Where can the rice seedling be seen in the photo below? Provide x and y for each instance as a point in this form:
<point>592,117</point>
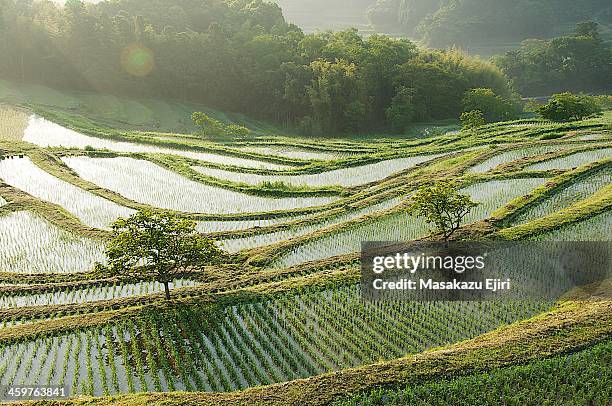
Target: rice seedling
<point>213,226</point>
<point>48,134</point>
<point>29,244</point>
<point>572,161</point>
<point>92,210</point>
<point>297,153</point>
<point>237,244</point>
<point>12,123</point>
<point>148,183</point>
<point>568,379</point>
<point>347,177</point>
<point>401,227</point>
<point>594,137</point>
<point>578,190</point>
<point>248,345</point>
<point>513,155</point>
<point>598,228</point>
<point>91,294</point>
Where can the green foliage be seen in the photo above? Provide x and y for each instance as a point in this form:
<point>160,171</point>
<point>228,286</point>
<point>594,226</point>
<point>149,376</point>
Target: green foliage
<point>158,243</point>
<point>581,62</point>
<point>472,119</point>
<point>443,206</point>
<point>493,107</point>
<point>567,106</point>
<point>211,127</point>
<point>238,56</point>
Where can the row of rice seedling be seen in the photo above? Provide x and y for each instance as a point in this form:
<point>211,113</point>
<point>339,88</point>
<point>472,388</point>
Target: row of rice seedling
<point>513,155</point>
<point>148,183</point>
<point>48,134</point>
<point>214,226</point>
<point>571,379</point>
<point>597,228</point>
<point>347,177</point>
<point>29,244</point>
<point>572,161</point>
<point>296,153</point>
<point>90,294</point>
<point>594,137</point>
<point>12,123</point>
<point>251,344</point>
<point>401,227</point>
<point>92,210</point>
<point>565,197</point>
<point>252,241</point>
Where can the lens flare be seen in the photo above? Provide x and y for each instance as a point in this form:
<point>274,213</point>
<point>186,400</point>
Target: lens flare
<point>137,60</point>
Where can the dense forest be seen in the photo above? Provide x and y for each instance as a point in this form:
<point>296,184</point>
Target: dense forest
<point>580,62</point>
<point>237,55</point>
<point>442,23</point>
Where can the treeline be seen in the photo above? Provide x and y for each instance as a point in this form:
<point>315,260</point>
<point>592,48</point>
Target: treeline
<point>444,23</point>
<point>581,63</point>
<point>238,55</point>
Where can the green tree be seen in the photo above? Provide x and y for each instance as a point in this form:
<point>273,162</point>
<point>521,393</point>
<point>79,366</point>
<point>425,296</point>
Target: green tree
<point>472,119</point>
<point>492,106</point>
<point>158,244</point>
<point>442,206</point>
<point>567,106</point>
<point>402,111</point>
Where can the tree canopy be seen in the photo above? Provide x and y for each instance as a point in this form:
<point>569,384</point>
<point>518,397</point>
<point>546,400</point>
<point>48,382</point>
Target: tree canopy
<point>240,56</point>
<point>443,23</point>
<point>159,244</point>
<point>566,107</point>
<point>579,62</point>
<point>441,205</point>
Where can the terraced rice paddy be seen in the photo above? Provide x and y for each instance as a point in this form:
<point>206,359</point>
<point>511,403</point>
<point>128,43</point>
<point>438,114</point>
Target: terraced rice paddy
<point>229,225</point>
<point>598,228</point>
<point>148,183</point>
<point>91,294</point>
<point>92,210</point>
<point>514,155</point>
<point>234,245</point>
<point>47,134</point>
<point>249,321</point>
<point>401,227</point>
<point>567,196</point>
<point>347,177</point>
<point>251,344</point>
<point>31,245</point>
<point>296,153</point>
<point>560,380</point>
<point>572,161</point>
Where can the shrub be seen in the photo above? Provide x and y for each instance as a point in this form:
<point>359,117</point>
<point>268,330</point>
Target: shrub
<point>472,119</point>
<point>567,106</point>
<point>209,126</point>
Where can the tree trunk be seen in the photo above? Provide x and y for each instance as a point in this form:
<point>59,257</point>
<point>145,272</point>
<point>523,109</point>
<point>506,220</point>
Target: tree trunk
<point>167,289</point>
